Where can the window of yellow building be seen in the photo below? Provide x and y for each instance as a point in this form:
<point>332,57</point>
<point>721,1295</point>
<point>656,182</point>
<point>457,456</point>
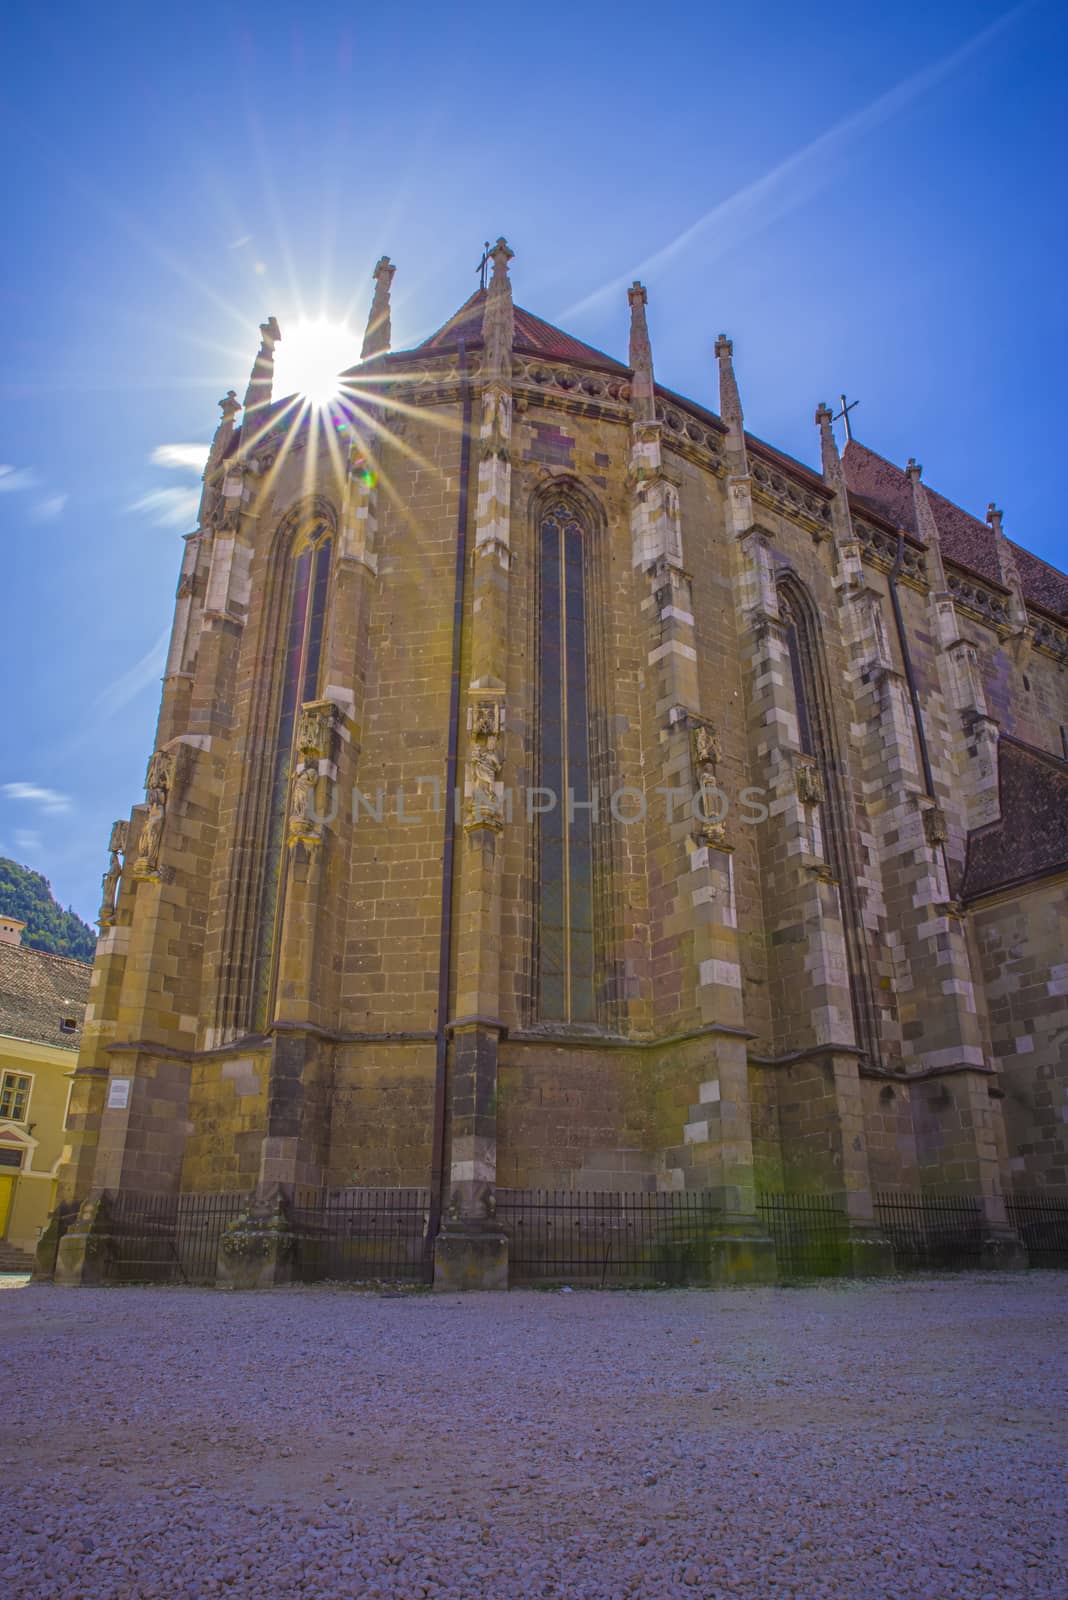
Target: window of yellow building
<point>14,1096</point>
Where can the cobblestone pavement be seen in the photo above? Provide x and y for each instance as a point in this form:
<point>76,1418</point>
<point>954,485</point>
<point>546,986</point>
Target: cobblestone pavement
<point>891,1440</point>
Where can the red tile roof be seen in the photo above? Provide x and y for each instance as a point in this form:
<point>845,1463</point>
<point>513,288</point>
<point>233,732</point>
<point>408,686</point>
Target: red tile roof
<point>1030,839</point>
<point>37,991</point>
<point>532,337</point>
<point>873,482</point>
<point>965,540</point>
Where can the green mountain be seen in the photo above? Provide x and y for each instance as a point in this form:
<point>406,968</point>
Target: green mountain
<point>28,896</point>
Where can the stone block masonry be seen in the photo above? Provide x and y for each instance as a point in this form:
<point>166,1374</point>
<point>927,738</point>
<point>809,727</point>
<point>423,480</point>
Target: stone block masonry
<point>558,787</point>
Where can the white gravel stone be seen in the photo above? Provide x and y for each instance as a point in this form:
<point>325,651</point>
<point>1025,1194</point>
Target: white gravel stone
<point>852,1442</point>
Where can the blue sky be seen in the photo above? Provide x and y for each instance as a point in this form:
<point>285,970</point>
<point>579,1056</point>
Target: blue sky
<point>866,198</point>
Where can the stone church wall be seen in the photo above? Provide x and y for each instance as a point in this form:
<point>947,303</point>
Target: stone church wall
<point>761,986</point>
<point>1021,941</point>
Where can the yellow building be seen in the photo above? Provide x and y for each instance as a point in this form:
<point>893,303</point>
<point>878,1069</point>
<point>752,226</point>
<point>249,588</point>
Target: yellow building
<point>42,1007</point>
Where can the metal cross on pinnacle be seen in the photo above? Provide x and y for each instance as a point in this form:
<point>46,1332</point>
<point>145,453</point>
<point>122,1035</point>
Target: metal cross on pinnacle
<point>843,415</point>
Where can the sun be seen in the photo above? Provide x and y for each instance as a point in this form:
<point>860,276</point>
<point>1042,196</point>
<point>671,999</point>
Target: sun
<point>309,358</point>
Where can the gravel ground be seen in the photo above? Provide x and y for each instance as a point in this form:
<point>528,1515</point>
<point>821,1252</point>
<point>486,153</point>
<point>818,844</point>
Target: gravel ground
<point>889,1440</point>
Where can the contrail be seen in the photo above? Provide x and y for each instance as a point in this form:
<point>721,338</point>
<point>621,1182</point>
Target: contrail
<point>129,685</point>
<point>769,197</point>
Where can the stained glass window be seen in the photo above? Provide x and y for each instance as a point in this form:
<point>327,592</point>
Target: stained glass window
<point>565,853</point>
<point>308,584</point>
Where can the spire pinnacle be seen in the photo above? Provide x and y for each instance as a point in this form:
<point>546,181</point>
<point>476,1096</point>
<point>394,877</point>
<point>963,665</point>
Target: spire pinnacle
<point>730,404</point>
<point>1010,572</point>
<point>832,461</point>
<point>261,379</point>
<point>498,318</point>
<point>641,355</point>
<point>833,476</point>
<point>926,526</point>
<point>379,328</point>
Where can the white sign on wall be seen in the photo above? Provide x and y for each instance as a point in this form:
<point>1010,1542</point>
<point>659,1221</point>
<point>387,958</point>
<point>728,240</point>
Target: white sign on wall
<point>119,1094</point>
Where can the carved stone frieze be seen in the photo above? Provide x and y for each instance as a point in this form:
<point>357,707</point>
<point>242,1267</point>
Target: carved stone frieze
<point>975,596</point>
<point>880,548</point>
<point>1049,637</point>
<point>776,486</point>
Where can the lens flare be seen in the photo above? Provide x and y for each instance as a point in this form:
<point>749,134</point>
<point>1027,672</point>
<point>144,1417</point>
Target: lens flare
<point>310,357</point>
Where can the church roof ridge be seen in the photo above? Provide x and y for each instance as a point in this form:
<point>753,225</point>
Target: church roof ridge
<point>533,336</point>
<point>965,541</point>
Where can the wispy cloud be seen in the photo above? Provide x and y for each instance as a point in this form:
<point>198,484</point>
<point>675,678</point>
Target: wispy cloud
<point>793,181</point>
<point>26,839</point>
<point>19,480</point>
<point>49,800</point>
<point>124,688</point>
<point>191,456</point>
<point>246,238</point>
<point>48,509</point>
<point>13,480</point>
<point>168,508</point>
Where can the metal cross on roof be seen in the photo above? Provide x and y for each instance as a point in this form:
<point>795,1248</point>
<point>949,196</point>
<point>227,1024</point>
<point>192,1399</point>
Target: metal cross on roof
<point>481,268</point>
<point>843,415</point>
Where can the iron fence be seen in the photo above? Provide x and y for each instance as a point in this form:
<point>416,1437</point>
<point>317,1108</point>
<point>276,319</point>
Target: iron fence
<point>567,1236</point>
<point>1042,1223</point>
<point>809,1231</point>
<point>172,1238</point>
<point>931,1232</point>
<point>600,1240</point>
<point>361,1235</point>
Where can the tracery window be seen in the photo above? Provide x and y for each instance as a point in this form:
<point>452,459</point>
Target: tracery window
<point>565,903</point>
<point>307,586</point>
<point>817,740</point>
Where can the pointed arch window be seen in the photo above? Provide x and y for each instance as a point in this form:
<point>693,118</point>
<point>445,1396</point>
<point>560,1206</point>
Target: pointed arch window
<point>817,739</point>
<point>307,584</point>
<point>565,892</point>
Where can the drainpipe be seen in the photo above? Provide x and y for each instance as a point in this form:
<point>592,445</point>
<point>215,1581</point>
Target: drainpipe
<point>910,676</point>
<point>437,1170</point>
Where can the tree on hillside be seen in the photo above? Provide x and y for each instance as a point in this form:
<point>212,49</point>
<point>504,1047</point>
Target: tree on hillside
<point>27,895</point>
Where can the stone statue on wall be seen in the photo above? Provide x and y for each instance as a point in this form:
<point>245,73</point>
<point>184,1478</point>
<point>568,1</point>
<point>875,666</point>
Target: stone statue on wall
<point>158,782</point>
<point>110,881</point>
<point>706,746</point>
<point>315,728</point>
<point>808,781</point>
<point>302,825</point>
<point>708,803</point>
<point>485,803</point>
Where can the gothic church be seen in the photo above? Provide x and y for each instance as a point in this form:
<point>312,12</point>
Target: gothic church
<point>558,787</point>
